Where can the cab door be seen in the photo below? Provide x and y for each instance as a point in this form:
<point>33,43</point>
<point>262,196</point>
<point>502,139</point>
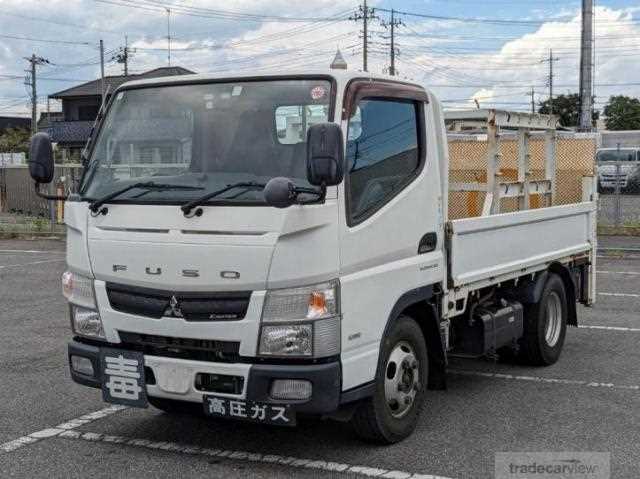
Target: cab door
<point>391,225</point>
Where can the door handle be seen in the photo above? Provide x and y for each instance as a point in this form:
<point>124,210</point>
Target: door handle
<point>428,243</point>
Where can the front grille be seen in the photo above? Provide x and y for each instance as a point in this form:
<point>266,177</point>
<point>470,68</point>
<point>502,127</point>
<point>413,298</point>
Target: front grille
<point>196,306</point>
<point>182,348</point>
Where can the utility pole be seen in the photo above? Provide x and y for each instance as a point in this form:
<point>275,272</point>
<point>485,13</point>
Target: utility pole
<point>586,66</point>
<point>533,100</point>
<point>393,23</point>
<point>123,56</point>
<point>550,81</point>
<point>34,61</point>
<point>169,36</point>
<point>365,14</point>
<point>551,59</point>
<point>102,72</point>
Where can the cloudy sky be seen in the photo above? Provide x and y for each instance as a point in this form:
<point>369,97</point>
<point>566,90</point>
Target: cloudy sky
<point>490,50</point>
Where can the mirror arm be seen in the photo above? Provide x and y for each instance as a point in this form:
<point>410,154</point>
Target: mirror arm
<point>49,197</point>
<point>322,194</point>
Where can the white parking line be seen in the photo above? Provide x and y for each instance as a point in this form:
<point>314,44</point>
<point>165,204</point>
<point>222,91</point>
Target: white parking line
<point>60,428</point>
<point>620,295</point>
<point>567,382</point>
<point>611,328</point>
<point>315,464</point>
<point>30,251</point>
<point>31,263</point>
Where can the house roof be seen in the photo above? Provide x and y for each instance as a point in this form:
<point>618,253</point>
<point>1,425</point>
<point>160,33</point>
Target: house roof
<point>69,132</point>
<point>93,88</point>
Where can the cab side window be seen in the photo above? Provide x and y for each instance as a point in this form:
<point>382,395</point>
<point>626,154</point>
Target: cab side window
<point>382,153</point>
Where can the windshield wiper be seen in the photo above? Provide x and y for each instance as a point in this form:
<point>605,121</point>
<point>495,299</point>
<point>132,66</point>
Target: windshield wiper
<point>188,207</point>
<point>95,205</point>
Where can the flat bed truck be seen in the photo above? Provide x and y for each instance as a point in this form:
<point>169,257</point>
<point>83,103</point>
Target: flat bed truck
<point>263,247</point>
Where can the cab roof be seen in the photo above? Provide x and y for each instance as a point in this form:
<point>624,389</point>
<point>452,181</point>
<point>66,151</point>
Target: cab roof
<point>342,77</point>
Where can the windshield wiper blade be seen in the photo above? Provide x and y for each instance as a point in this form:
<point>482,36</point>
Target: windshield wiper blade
<point>95,205</point>
<point>188,207</point>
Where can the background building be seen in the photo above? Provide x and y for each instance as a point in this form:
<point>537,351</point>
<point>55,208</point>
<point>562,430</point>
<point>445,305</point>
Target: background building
<point>80,105</point>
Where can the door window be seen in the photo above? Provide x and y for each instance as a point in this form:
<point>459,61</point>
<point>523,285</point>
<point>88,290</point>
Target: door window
<point>382,153</point>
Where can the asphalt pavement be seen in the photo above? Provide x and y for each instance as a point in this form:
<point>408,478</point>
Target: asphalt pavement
<point>52,427</point>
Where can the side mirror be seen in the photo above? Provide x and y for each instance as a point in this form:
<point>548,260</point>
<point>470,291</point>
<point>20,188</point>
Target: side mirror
<point>325,154</point>
<point>41,158</point>
<point>280,192</point>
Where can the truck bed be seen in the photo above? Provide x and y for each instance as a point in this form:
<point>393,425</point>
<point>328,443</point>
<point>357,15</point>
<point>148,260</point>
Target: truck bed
<point>490,249</point>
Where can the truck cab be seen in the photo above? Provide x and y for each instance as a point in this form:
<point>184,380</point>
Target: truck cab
<point>618,168</point>
<point>262,247</point>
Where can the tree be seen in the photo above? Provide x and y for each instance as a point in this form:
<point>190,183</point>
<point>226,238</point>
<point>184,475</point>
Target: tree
<point>567,107</point>
<point>622,113</point>
<point>14,140</point>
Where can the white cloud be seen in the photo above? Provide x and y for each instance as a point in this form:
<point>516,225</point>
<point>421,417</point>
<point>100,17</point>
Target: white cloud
<point>520,63</point>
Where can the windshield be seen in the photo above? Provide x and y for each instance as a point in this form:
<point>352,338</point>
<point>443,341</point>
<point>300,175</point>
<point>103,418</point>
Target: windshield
<point>604,156</point>
<point>205,136</point>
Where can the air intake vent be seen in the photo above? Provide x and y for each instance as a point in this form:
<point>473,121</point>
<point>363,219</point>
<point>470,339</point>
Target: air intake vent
<point>182,348</point>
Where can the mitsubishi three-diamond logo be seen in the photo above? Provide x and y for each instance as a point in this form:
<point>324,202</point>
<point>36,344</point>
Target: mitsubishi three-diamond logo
<point>174,308</point>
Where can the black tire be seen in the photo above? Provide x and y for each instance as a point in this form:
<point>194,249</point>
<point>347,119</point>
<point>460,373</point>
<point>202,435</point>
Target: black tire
<point>373,420</point>
<point>171,406</point>
<point>536,348</point>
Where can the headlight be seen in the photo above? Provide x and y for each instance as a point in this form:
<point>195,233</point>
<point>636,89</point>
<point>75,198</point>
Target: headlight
<point>301,322</point>
<point>78,289</point>
<point>85,318</point>
<point>86,322</point>
<point>287,340</point>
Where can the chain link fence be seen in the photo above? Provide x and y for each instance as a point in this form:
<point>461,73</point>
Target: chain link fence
<point>619,188</point>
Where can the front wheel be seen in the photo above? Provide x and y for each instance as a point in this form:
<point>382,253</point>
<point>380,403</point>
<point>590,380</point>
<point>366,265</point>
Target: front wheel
<point>391,414</point>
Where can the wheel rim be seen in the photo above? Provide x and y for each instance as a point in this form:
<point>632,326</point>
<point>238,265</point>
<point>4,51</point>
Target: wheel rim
<point>402,379</point>
<point>554,319</point>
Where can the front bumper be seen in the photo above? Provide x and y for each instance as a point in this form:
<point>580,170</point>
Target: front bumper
<point>173,378</point>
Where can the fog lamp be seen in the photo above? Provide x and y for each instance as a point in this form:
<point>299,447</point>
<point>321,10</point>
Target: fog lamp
<point>82,365</point>
<point>295,389</point>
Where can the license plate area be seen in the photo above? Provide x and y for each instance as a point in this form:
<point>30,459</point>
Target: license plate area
<point>260,412</point>
<point>123,377</point>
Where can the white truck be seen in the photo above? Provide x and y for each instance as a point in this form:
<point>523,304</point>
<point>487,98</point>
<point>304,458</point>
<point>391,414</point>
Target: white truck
<point>618,169</point>
<point>217,259</point>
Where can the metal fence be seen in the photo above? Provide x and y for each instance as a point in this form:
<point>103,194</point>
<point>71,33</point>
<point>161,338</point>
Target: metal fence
<point>17,193</point>
<point>575,159</point>
<point>619,188</point>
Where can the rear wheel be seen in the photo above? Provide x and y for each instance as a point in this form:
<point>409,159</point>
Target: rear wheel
<point>392,412</point>
<point>545,325</point>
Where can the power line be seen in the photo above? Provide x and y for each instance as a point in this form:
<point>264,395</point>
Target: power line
<point>42,40</point>
<point>57,22</point>
<point>499,21</point>
<point>161,6</point>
